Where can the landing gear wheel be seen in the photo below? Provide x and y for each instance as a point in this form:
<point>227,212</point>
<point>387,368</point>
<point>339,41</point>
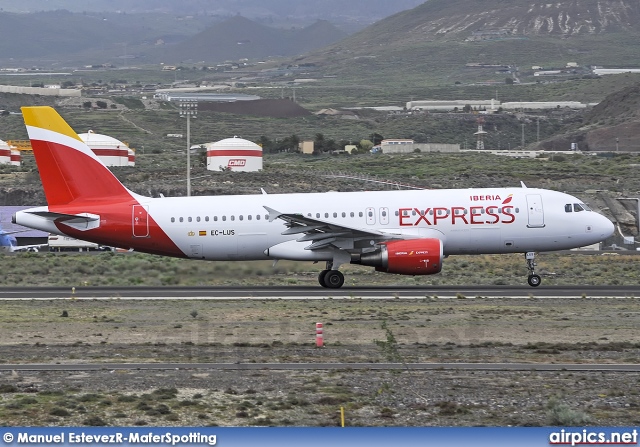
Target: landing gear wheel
<point>333,279</point>
<point>321,277</point>
<point>534,280</point>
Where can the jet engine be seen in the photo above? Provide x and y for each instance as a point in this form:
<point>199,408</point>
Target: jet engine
<point>407,257</point>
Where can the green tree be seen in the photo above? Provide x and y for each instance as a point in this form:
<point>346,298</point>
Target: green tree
<point>376,138</point>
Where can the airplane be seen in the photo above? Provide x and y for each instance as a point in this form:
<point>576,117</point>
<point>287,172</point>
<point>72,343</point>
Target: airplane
<point>9,244</point>
<point>401,232</point>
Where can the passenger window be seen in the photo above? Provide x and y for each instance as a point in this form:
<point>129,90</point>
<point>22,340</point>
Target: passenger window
<point>189,219</point>
<point>353,214</point>
<point>384,214</point>
<point>413,213</point>
<point>258,217</point>
<point>249,217</point>
<point>517,210</point>
<point>266,217</point>
<point>397,214</point>
<point>198,219</point>
<point>181,219</point>
<point>335,214</point>
<point>224,218</point>
<point>405,212</point>
<point>360,214</point>
<point>173,219</point>
<point>317,215</point>
<point>241,217</point>
<point>206,218</point>
<point>233,218</point>
<point>215,218</point>
<point>326,215</point>
<point>568,208</point>
<point>370,214</point>
<point>344,214</point>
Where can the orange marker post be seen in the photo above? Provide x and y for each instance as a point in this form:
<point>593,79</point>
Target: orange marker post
<point>319,335</point>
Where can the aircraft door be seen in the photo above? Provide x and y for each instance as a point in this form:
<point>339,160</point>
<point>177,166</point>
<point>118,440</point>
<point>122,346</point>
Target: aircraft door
<point>535,212</point>
<point>140,221</point>
<point>196,251</point>
<point>371,216</point>
<point>384,216</point>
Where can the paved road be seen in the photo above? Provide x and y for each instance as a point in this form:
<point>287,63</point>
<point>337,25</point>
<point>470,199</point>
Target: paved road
<point>325,366</point>
<point>312,292</point>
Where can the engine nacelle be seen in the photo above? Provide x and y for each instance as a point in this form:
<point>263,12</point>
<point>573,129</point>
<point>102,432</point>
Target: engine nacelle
<point>408,257</point>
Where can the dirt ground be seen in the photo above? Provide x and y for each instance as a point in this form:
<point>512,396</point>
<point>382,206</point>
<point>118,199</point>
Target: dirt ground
<point>255,331</point>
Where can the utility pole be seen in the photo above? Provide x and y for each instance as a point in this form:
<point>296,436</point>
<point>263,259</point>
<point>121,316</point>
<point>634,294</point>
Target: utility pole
<point>522,146</point>
<point>188,108</point>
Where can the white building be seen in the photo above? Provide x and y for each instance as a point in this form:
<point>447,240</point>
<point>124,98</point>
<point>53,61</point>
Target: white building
<point>110,151</point>
<point>609,71</point>
<point>9,154</point>
<point>403,146</point>
<point>234,154</point>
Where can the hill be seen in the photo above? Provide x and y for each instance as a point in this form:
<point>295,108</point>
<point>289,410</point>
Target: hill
<point>435,41</point>
<point>612,125</point>
<point>239,38</point>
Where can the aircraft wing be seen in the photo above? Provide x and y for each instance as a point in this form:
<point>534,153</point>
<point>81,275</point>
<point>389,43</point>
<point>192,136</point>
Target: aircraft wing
<point>321,234</point>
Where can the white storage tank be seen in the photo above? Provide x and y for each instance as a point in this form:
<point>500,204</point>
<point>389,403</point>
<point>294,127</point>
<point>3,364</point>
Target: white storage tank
<point>110,151</point>
<point>9,154</point>
<point>234,154</point>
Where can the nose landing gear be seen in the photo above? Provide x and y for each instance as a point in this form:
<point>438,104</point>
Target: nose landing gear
<point>533,279</point>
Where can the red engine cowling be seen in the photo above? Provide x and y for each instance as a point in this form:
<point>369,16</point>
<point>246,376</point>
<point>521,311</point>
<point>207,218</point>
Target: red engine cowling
<point>408,257</point>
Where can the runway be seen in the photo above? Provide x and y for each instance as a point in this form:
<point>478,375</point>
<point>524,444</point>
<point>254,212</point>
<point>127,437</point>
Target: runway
<point>604,367</point>
<point>316,293</point>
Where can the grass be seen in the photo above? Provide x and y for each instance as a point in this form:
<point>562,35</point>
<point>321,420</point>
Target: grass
<point>434,330</point>
<point>107,269</point>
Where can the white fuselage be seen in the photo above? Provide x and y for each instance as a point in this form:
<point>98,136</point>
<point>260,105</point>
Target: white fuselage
<point>492,220</point>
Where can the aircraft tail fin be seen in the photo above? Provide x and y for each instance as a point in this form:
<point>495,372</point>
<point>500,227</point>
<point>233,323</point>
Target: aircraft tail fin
<point>69,169</point>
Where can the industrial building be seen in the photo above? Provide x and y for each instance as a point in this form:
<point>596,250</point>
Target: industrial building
<point>404,146</point>
<point>491,106</point>
<point>235,154</point>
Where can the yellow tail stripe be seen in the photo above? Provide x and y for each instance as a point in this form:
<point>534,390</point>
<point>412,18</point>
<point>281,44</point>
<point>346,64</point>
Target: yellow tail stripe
<point>47,118</point>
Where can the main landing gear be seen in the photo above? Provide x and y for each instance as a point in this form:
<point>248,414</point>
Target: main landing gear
<point>331,279</point>
<point>533,279</point>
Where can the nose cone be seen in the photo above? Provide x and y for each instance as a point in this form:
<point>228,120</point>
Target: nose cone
<point>604,227</point>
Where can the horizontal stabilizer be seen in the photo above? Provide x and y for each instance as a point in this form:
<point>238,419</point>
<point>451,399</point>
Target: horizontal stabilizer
<point>82,221</point>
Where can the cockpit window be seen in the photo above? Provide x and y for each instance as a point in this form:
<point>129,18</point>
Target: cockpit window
<point>585,207</point>
<point>577,207</point>
<point>568,208</point>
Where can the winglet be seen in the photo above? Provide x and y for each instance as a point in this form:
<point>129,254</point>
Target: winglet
<point>273,214</point>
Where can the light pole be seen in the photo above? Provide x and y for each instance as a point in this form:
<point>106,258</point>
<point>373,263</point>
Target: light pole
<point>617,141</point>
<point>188,108</point>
